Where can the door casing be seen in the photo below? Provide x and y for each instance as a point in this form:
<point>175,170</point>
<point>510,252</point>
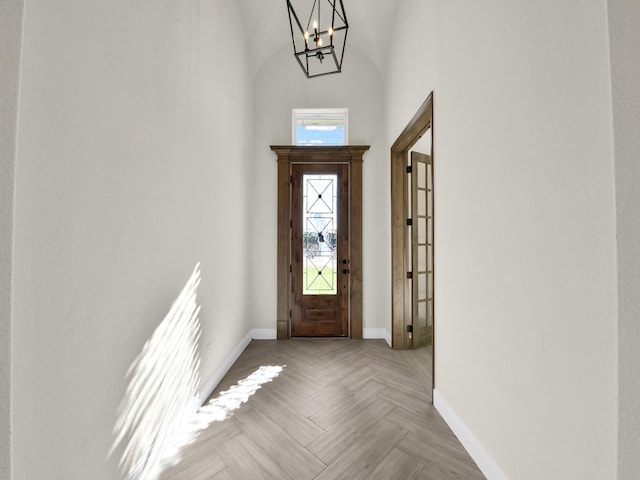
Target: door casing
<point>291,154</point>
<point>421,122</point>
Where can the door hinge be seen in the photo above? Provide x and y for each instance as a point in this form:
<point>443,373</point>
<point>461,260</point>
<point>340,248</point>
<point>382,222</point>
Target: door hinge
<point>289,313</point>
<point>290,178</point>
<point>409,169</point>
<point>409,222</point>
<point>409,275</point>
<point>409,328</point>
<point>290,269</point>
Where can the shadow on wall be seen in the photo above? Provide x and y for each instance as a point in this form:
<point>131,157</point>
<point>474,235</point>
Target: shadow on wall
<point>160,412</point>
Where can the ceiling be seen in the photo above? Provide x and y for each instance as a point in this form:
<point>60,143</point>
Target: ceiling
<point>267,27</point>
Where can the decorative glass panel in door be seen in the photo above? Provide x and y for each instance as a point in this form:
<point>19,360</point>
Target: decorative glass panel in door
<point>319,237</point>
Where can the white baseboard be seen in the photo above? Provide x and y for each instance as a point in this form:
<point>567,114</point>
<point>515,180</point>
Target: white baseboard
<point>212,382</point>
<point>374,333</point>
<point>487,465</point>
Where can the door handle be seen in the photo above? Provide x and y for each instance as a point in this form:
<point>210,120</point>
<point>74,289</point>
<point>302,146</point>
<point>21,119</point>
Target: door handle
<point>345,271</point>
<point>345,261</point>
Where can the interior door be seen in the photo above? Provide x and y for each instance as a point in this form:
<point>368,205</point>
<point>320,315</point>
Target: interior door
<point>421,249</point>
<point>319,250</point>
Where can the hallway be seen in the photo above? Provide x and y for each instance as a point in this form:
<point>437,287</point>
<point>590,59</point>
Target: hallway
<point>135,143</point>
<point>340,409</point>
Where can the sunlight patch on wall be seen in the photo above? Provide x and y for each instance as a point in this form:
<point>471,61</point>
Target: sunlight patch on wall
<point>161,395</point>
<point>160,412</point>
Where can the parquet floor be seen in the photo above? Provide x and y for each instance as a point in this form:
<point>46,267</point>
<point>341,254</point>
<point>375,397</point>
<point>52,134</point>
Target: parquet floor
<point>340,409</point>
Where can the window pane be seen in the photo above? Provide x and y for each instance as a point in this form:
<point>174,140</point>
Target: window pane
<point>319,134</point>
<point>322,126</point>
<point>319,237</point>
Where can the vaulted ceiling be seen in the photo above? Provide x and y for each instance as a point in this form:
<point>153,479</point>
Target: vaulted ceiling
<point>267,27</point>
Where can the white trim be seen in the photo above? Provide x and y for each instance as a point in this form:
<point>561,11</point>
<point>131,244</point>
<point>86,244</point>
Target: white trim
<point>210,385</point>
<point>373,333</point>
<point>485,462</point>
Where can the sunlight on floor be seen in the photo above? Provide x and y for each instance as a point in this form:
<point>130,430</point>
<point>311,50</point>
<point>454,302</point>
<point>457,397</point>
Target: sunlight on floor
<point>219,409</point>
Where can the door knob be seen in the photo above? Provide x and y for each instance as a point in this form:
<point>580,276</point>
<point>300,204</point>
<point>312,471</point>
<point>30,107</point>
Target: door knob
<point>345,271</point>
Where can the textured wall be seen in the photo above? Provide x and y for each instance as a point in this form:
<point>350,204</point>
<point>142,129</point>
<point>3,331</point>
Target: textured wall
<point>624,31</point>
<point>525,223</point>
<point>10,39</point>
<point>132,167</point>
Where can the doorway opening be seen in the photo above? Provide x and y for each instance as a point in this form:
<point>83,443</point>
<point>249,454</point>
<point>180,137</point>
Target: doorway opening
<point>405,302</point>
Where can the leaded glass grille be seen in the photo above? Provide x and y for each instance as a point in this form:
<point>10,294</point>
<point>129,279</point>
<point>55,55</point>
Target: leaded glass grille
<point>319,236</point>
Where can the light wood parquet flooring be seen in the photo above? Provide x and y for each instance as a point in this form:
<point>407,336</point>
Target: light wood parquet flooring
<point>340,409</point>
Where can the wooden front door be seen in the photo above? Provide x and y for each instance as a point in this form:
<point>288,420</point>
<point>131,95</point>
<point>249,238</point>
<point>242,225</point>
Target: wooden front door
<point>320,263</point>
<point>330,160</point>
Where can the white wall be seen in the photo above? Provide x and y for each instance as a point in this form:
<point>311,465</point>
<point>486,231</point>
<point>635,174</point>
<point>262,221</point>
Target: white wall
<point>624,16</point>
<point>10,39</point>
<point>525,223</point>
<point>132,166</point>
<point>280,85</point>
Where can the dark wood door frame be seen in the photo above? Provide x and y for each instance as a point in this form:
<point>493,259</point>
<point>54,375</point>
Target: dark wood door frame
<point>288,155</point>
<point>400,287</point>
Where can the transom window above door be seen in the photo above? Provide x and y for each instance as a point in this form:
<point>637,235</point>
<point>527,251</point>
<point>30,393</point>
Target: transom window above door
<point>320,126</point>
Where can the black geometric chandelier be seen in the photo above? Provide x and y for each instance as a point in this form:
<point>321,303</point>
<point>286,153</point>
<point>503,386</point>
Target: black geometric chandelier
<point>318,44</point>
